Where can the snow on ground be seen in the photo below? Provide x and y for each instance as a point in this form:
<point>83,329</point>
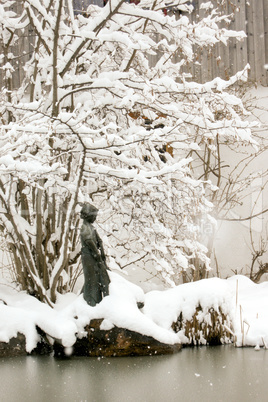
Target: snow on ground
<point>245,302</point>
<point>250,310</point>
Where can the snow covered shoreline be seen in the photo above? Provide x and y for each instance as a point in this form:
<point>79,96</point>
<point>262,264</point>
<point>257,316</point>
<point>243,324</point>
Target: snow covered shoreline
<point>242,301</point>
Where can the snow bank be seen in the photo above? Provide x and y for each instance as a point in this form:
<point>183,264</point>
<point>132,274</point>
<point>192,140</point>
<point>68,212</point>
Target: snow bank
<point>23,313</point>
<point>163,307</point>
<point>119,309</point>
<point>244,302</point>
<point>250,311</point>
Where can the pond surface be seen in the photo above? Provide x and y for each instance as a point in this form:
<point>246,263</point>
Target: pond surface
<point>204,374</point>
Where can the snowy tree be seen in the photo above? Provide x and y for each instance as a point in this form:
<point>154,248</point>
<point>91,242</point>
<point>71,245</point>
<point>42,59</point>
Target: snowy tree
<point>107,114</point>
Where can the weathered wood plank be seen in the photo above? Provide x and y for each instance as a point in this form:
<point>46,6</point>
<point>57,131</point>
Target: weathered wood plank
<point>250,40</point>
<point>258,36</point>
<point>204,60</point>
<point>232,10</point>
<point>265,13</point>
<point>240,25</point>
<point>223,54</point>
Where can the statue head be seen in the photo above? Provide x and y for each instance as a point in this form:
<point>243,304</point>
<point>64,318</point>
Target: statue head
<point>89,212</point>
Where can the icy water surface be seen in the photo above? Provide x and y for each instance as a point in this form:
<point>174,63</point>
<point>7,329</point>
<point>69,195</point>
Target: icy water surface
<point>200,374</point>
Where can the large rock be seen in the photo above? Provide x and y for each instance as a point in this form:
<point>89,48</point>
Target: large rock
<point>115,342</point>
<point>15,347</point>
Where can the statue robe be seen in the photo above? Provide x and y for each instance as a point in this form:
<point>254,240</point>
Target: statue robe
<point>97,280</point>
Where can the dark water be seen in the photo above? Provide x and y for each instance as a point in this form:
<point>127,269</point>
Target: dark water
<point>200,374</point>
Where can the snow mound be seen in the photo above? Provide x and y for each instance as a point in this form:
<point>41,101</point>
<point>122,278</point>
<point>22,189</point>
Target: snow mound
<point>250,311</point>
<point>190,300</point>
<point>239,298</point>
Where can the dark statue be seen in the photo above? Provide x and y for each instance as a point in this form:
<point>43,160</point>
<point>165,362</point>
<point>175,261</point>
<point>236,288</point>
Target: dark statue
<point>97,280</point>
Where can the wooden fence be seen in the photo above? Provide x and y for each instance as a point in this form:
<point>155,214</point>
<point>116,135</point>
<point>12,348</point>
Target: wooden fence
<point>250,16</point>
<point>222,61</point>
<point>22,51</point>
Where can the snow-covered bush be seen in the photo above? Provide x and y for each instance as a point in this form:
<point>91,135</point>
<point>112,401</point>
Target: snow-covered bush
<point>107,114</point>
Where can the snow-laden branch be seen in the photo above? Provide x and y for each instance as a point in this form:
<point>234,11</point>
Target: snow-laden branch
<point>113,119</point>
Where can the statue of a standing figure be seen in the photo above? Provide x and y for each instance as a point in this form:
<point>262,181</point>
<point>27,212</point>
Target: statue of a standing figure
<point>97,280</point>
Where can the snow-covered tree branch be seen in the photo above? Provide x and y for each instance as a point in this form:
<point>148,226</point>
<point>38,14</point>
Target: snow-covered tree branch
<point>100,121</point>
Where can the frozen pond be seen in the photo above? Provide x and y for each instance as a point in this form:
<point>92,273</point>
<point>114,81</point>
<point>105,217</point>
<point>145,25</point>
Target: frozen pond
<point>195,374</point>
